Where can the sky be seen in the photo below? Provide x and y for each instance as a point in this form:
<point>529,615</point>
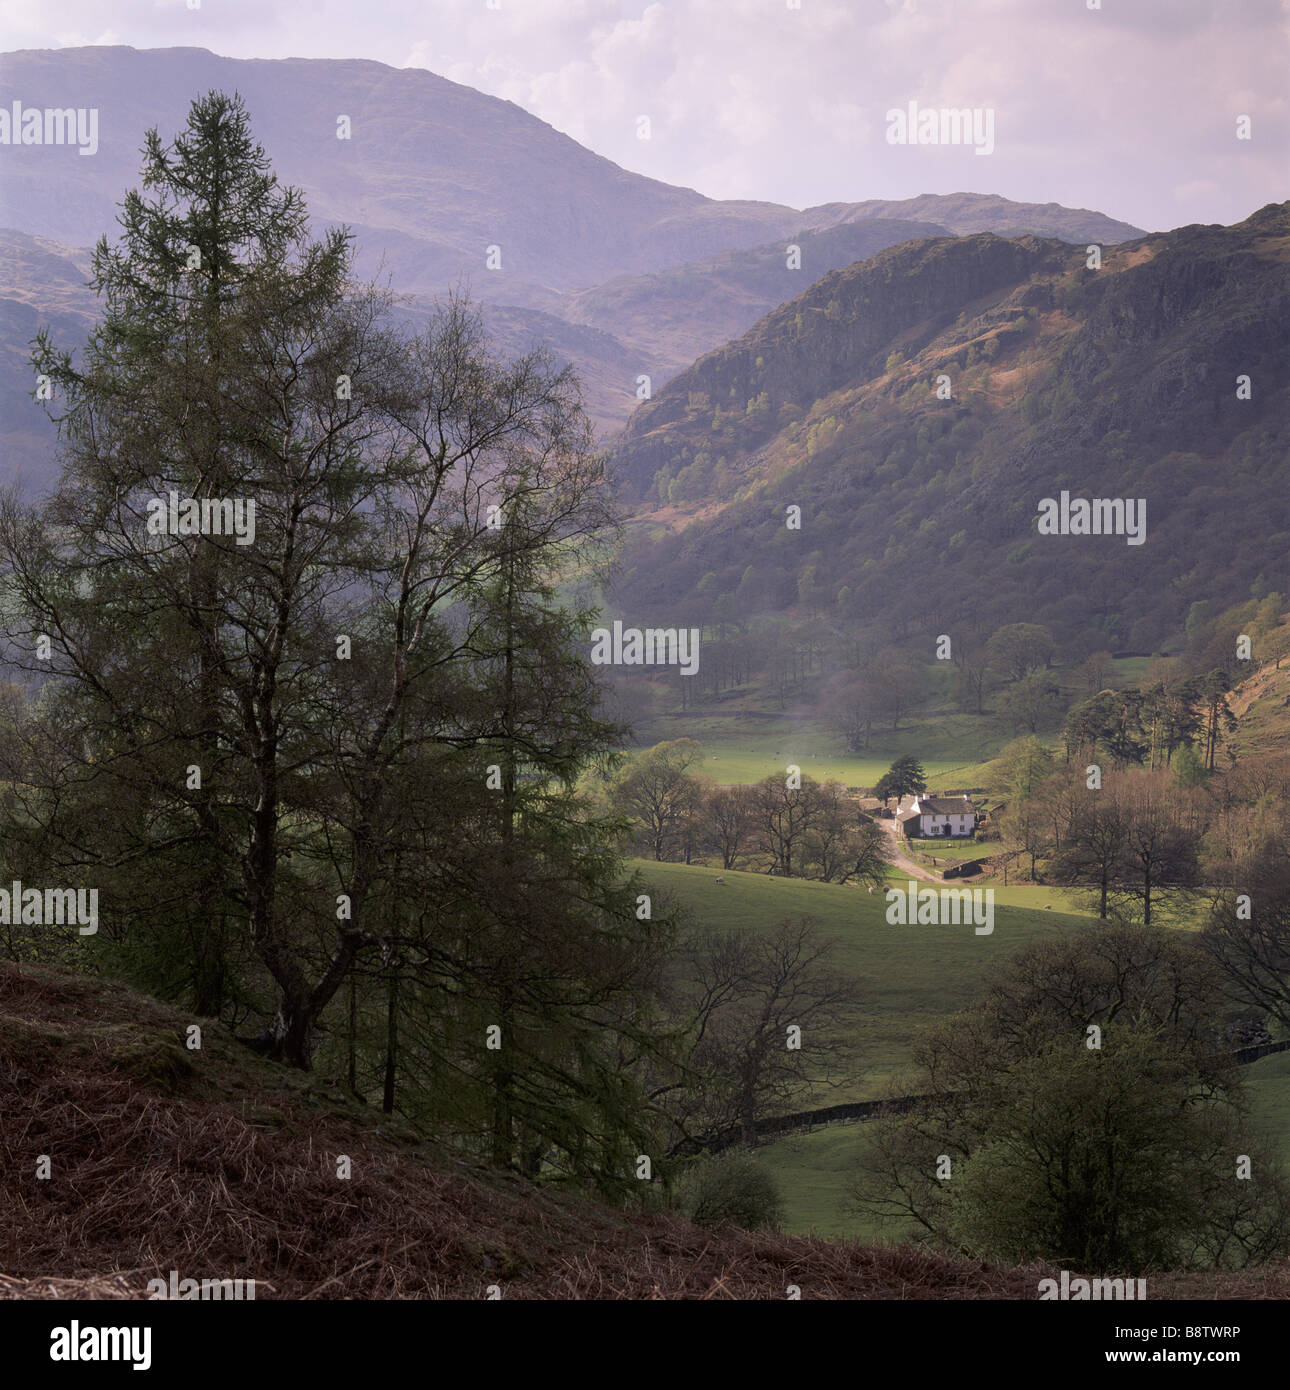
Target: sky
<point>1131,107</point>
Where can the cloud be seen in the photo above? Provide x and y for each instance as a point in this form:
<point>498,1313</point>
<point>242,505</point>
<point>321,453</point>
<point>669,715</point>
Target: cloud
<point>107,38</point>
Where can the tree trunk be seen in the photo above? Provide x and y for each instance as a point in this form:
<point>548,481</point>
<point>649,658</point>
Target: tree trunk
<point>352,1074</point>
<point>391,1039</point>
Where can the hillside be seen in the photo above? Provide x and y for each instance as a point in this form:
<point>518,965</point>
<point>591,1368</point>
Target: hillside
<point>1120,380</point>
<point>1261,703</point>
<point>226,1164</point>
<point>683,312</point>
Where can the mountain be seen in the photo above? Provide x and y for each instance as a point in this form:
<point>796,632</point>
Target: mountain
<point>618,274</point>
<point>920,513</point>
<point>42,284</point>
<point>432,175</point>
<point>965,213</point>
<point>647,324</point>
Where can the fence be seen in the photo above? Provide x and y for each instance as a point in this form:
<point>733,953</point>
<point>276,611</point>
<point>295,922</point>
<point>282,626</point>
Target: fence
<point>852,1112</point>
<point>847,1113</point>
<point>1245,1055</point>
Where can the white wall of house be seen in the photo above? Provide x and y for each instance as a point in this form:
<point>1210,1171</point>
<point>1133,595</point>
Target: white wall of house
<point>958,824</point>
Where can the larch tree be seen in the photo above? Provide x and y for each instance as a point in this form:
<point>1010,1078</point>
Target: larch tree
<point>310,704</point>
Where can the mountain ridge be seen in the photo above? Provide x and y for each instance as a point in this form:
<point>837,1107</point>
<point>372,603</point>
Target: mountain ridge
<point>621,275</point>
<point>564,216</point>
<point>1126,378</point>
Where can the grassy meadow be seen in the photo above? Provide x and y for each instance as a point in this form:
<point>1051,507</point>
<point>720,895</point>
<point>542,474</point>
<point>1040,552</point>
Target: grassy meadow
<point>909,976</point>
<point>744,747</point>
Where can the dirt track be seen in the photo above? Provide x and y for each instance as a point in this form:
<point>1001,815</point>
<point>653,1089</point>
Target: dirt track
<point>901,860</point>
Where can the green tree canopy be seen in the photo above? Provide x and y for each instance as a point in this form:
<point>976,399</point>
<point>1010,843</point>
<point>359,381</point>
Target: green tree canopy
<point>903,778</point>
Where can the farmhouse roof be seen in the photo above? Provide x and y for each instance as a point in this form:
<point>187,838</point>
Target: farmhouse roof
<point>945,806</point>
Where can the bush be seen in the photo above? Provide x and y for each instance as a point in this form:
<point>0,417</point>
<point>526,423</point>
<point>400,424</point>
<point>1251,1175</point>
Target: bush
<point>734,1188</point>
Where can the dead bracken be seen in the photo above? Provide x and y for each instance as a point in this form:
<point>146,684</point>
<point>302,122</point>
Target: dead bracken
<point>201,1174</point>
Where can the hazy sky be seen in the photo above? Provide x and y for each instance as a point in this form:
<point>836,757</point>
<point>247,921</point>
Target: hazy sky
<point>1131,108</point>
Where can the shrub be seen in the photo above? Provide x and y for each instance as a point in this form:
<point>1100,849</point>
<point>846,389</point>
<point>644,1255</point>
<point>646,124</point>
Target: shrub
<point>731,1187</point>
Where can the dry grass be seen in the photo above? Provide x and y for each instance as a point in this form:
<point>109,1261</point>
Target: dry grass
<point>225,1167</point>
<point>113,1286</point>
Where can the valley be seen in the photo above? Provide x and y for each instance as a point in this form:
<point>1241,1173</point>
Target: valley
<point>548,680</point>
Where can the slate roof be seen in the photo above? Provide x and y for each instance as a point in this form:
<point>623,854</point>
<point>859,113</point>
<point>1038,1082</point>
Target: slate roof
<point>946,806</point>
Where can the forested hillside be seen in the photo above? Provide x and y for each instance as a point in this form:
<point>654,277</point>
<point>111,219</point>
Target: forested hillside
<point>920,405</point>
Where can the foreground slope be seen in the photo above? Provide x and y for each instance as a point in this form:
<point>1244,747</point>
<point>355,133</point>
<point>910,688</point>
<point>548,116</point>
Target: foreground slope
<point>218,1165</point>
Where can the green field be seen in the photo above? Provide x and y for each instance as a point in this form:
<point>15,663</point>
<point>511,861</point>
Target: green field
<point>1129,670</point>
<point>814,1169</point>
<point>731,764</point>
<point>1269,1080</point>
<point>955,849</point>
<point>745,737</point>
<point>909,976</point>
<point>744,747</point>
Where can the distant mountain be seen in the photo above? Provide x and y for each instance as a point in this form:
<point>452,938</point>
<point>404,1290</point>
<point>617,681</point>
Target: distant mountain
<point>678,314</point>
<point>653,325</point>
<point>965,213</point>
<point>620,275</point>
<point>432,175</point>
<point>42,284</point>
<point>919,513</point>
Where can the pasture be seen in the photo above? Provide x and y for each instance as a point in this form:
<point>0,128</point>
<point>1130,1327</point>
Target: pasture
<point>908,975</point>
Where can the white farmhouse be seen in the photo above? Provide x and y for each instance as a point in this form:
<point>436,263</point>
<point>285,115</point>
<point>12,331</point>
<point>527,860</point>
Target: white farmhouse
<point>931,817</point>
